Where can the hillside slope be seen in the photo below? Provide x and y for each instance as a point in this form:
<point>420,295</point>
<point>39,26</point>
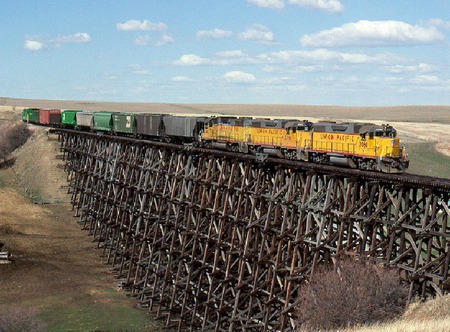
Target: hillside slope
<point>57,269</point>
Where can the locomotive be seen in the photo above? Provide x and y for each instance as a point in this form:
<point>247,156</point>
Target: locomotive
<point>364,146</point>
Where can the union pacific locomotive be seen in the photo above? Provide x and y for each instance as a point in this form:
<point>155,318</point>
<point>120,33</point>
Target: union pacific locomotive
<point>364,146</point>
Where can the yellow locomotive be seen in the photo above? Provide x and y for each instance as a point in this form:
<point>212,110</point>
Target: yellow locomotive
<point>357,145</point>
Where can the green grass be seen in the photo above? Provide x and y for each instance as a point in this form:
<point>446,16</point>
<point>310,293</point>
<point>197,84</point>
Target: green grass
<point>425,160</point>
<point>104,311</point>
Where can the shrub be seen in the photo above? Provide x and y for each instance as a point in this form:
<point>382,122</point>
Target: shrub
<point>12,136</point>
<point>20,320</point>
<point>350,293</point>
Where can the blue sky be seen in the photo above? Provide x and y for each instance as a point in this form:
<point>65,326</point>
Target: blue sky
<point>315,52</point>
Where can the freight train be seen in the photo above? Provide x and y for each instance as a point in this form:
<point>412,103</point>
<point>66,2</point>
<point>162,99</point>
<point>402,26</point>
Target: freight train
<point>363,146</point>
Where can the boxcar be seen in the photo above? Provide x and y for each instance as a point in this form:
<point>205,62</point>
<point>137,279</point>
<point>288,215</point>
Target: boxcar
<point>148,124</point>
<point>84,120</point>
<point>50,116</point>
<point>30,115</point>
<point>103,121</point>
<point>182,128</point>
<point>124,123</point>
<point>68,118</point>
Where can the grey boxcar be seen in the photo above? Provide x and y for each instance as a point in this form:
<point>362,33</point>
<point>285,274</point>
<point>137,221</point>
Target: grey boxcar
<point>85,119</point>
<point>148,124</point>
<point>183,127</point>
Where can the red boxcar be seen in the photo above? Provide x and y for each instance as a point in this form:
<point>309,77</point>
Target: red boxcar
<point>52,116</point>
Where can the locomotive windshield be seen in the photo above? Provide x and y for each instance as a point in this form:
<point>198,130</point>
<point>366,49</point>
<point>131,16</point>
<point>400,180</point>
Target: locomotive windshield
<point>386,131</point>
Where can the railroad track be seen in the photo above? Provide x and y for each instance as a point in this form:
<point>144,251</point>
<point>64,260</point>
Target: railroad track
<point>413,180</point>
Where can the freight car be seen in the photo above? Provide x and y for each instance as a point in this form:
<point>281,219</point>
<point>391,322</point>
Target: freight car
<point>181,129</point>
<point>149,125</point>
<point>103,122</point>
<point>357,145</point>
<point>30,115</point>
<point>124,123</point>
<point>50,117</point>
<point>68,118</point>
<point>84,121</point>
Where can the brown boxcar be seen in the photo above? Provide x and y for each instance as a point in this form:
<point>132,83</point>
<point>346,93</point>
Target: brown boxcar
<point>50,116</point>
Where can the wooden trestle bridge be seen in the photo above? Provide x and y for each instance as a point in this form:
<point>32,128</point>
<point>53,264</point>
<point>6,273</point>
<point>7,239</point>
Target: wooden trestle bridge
<point>215,240</point>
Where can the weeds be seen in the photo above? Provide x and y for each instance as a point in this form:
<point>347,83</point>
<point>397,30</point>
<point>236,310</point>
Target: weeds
<point>350,293</point>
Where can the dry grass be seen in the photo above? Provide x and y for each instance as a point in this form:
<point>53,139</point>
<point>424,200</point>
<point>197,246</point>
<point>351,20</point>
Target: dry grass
<point>425,325</point>
<point>432,316</point>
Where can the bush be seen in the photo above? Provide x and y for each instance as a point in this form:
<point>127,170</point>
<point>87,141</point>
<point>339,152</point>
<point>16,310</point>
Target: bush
<point>350,293</point>
<point>20,320</point>
<point>12,136</point>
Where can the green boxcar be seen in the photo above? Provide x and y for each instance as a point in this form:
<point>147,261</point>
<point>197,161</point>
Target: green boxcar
<point>30,115</point>
<point>124,123</point>
<point>68,118</point>
<point>103,121</point>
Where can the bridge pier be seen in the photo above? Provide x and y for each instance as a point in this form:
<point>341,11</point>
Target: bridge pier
<point>219,241</point>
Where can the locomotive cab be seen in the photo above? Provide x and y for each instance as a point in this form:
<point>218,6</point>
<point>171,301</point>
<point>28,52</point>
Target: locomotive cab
<point>390,156</point>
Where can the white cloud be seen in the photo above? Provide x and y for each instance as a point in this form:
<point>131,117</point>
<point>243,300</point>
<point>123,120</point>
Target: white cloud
<point>333,6</point>
<point>109,76</point>
<point>310,69</point>
<point>421,68</point>
<point>37,43</point>
<point>136,25</point>
<point>154,41</point>
<point>394,79</point>
<point>181,79</point>
<point>425,79</point>
<point>214,34</point>
<point>439,23</point>
<point>373,33</point>
<point>33,45</point>
<point>138,70</point>
<point>224,58</point>
<point>239,77</point>
<point>191,60</point>
<point>272,4</point>
<point>79,37</point>
<point>230,54</point>
<point>258,33</point>
<point>324,56</point>
<point>287,58</point>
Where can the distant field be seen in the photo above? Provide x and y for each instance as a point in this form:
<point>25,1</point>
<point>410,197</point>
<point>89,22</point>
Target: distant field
<point>427,114</point>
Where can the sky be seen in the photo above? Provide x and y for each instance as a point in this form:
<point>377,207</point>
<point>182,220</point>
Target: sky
<point>311,52</point>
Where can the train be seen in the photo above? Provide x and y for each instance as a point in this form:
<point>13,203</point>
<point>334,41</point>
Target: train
<point>364,146</point>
